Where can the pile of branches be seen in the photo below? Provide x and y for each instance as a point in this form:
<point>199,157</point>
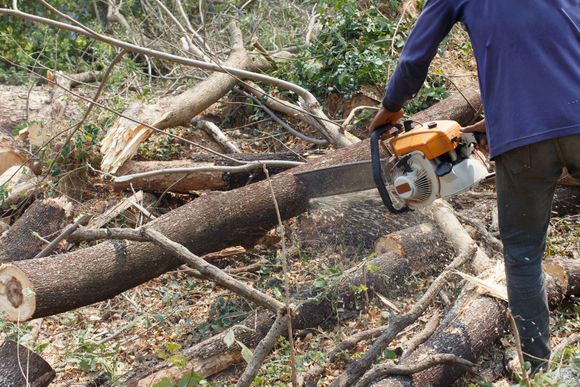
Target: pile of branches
<point>35,282</point>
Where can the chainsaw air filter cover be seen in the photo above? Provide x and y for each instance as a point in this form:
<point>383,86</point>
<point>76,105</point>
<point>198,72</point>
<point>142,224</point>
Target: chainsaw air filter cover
<point>433,139</point>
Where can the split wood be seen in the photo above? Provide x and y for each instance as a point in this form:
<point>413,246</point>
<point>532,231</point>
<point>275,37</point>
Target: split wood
<point>397,323</point>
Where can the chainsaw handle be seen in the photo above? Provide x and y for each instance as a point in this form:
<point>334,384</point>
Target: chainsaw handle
<point>377,169</point>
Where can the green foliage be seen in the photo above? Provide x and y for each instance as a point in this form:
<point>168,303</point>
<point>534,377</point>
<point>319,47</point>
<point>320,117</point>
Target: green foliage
<point>98,358</point>
<point>28,44</point>
<point>188,379</point>
<point>224,313</point>
<point>171,352</point>
<point>357,47</point>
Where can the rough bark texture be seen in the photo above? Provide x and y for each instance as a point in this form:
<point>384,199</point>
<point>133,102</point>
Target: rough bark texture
<point>14,102</point>
<point>472,326</point>
<point>198,181</point>
<point>207,224</point>
<point>20,367</point>
<point>387,277</point>
<point>43,217</point>
<point>457,107</point>
<point>122,141</point>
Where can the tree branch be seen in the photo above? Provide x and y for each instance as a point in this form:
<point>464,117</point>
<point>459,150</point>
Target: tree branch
<point>383,370</point>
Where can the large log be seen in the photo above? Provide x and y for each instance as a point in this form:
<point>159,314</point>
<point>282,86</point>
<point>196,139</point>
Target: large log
<point>210,223</point>
<point>474,323</point>
<point>20,367</point>
<point>402,256</point>
<point>42,218</point>
<point>198,181</point>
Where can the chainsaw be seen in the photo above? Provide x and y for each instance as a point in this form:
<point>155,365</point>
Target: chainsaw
<point>418,165</point>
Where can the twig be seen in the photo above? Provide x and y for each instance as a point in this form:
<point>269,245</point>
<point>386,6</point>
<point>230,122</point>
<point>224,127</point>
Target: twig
<point>423,335</point>
<point>286,271</point>
<point>285,125</point>
<point>263,349</point>
<point>106,75</point>
<point>354,111</point>
<point>246,269</point>
<point>217,134</point>
<point>383,370</point>
<point>356,369</point>
<point>81,221</point>
<point>212,272</point>
<point>559,349</point>
<point>311,378</point>
<point>525,378</point>
<point>116,210</point>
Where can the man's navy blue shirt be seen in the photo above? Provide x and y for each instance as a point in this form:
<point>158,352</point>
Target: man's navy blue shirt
<point>528,58</point>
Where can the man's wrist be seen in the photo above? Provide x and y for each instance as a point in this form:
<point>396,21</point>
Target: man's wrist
<point>391,106</point>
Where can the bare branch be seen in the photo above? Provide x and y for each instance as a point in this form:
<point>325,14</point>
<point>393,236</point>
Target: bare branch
<point>383,370</point>
<point>356,369</point>
<point>263,350</point>
<point>241,168</point>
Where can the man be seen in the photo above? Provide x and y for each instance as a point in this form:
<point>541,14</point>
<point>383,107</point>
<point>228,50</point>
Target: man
<point>528,57</point>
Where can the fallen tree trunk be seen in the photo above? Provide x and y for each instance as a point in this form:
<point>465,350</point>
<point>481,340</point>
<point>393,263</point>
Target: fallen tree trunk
<point>22,367</point>
<point>207,224</point>
<point>472,326</point>
<point>197,181</point>
<point>41,219</point>
<point>403,256</point>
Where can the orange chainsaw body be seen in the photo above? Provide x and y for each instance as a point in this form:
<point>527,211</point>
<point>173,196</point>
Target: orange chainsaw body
<point>433,139</point>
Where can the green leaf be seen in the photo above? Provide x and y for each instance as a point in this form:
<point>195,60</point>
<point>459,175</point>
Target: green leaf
<point>246,352</point>
<point>230,338</point>
<point>320,283</point>
<point>172,347</point>
<point>190,379</point>
<point>165,382</point>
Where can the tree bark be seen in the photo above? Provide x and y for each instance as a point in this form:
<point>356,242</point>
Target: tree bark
<point>198,181</point>
<point>16,100</point>
<point>43,217</point>
<point>386,274</point>
<point>472,326</point>
<point>208,224</point>
<point>21,367</point>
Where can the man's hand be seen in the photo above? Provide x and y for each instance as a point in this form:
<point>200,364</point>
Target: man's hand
<point>384,117</point>
<point>479,130</point>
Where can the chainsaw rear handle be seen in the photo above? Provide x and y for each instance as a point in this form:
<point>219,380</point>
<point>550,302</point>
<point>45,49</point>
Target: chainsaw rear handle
<point>377,169</point>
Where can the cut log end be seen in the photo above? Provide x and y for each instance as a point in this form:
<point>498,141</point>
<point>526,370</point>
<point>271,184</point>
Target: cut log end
<point>17,297</point>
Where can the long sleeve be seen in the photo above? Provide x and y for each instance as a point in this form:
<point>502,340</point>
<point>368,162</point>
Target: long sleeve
<point>433,25</point>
